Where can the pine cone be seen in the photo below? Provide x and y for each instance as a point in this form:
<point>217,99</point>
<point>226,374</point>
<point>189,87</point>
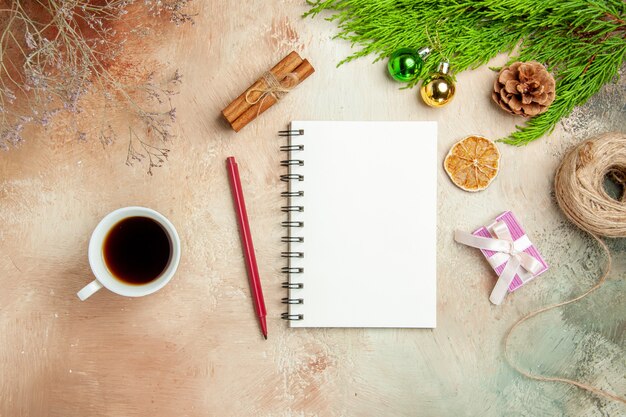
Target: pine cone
<point>524,88</point>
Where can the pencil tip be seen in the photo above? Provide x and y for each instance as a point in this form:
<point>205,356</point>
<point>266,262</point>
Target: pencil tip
<point>265,336</point>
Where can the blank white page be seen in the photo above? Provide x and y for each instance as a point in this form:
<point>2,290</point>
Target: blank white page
<point>370,219</point>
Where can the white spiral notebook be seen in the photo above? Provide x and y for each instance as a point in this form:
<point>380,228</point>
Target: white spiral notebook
<point>361,226</point>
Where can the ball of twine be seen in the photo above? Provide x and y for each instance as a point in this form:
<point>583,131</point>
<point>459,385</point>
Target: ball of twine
<point>579,185</point>
<point>579,189</point>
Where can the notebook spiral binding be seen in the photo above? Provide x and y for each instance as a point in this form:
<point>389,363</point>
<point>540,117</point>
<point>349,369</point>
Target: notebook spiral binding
<point>290,225</point>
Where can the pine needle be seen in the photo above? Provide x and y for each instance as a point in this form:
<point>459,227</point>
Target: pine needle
<point>582,42</point>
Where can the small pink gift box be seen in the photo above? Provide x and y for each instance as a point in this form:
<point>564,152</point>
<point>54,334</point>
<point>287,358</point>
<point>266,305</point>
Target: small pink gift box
<point>498,260</point>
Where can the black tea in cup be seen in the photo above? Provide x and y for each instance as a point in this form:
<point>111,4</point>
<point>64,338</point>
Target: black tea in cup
<point>137,250</point>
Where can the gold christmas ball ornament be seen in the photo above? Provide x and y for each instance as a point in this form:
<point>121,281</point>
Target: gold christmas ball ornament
<point>438,88</point>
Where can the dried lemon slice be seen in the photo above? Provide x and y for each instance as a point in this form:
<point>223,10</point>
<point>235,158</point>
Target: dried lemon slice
<point>473,163</point>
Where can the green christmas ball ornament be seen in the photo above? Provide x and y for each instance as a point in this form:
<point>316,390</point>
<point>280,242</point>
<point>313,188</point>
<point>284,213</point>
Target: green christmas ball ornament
<point>405,63</point>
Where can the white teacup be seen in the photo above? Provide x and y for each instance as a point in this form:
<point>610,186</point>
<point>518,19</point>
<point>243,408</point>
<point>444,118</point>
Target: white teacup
<point>105,278</point>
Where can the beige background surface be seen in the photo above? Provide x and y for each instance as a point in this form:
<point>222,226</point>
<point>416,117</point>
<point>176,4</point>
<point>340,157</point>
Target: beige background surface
<point>194,348</point>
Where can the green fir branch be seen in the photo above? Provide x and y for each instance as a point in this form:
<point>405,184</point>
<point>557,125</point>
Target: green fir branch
<point>582,42</point>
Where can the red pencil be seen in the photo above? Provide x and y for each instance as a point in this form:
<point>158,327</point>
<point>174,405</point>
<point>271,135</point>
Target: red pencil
<point>246,242</point>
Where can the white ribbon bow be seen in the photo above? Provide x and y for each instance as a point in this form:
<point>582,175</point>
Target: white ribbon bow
<point>509,251</point>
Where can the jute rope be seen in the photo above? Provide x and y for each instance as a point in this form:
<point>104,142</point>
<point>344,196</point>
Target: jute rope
<point>274,87</point>
<point>579,185</point>
<point>579,188</point>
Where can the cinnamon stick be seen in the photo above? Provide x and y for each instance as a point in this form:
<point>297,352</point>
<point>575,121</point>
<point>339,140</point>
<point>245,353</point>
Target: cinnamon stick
<point>235,109</point>
<point>302,72</point>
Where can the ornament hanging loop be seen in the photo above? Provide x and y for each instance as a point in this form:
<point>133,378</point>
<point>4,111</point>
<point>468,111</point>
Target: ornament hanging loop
<point>436,43</point>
